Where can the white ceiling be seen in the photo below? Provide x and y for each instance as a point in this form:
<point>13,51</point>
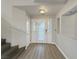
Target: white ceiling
<point>33,9</point>
<point>51,1</point>
<point>71,11</point>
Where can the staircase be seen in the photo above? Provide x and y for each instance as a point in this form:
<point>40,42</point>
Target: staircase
<point>8,52</point>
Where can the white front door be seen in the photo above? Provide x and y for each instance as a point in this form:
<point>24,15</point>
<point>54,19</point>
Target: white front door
<point>41,31</point>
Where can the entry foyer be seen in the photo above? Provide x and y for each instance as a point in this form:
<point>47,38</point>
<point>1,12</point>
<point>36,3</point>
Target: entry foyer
<point>38,29</point>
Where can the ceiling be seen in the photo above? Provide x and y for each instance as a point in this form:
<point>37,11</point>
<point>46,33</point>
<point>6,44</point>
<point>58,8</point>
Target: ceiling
<point>51,1</point>
<point>71,11</point>
<point>52,6</point>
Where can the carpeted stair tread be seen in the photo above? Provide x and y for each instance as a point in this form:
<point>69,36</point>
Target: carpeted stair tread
<point>15,54</point>
<point>10,56</point>
<point>5,47</point>
<point>10,51</point>
<point>18,53</point>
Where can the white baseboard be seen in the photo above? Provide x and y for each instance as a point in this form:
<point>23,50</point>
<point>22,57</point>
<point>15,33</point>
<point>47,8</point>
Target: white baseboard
<point>61,51</point>
<point>44,42</point>
<point>27,46</point>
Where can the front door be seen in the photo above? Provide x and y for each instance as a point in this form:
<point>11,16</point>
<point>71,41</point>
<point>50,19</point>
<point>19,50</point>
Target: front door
<point>41,31</point>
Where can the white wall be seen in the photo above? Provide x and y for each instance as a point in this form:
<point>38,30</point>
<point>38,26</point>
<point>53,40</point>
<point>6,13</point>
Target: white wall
<point>66,39</point>
<point>15,33</point>
<point>6,30</point>
<point>68,26</point>
<point>19,21</point>
<point>13,24</point>
<point>68,46</point>
<point>6,10</point>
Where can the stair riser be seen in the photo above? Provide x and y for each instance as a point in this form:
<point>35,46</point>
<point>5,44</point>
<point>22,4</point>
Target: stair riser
<point>3,41</point>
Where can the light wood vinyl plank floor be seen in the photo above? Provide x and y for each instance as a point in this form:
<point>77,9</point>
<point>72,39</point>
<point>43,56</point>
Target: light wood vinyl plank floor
<point>42,51</point>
